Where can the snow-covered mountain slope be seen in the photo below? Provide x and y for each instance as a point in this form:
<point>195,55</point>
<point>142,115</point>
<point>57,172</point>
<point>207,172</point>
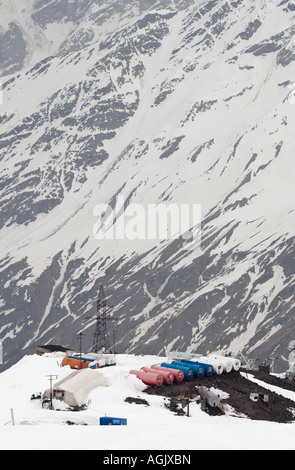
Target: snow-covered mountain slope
<point>158,102</point>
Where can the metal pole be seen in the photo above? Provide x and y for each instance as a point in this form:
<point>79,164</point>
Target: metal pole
<point>80,348</point>
<point>188,400</point>
<point>51,392</point>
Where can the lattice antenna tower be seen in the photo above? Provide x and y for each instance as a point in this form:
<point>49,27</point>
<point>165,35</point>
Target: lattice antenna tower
<point>100,338</point>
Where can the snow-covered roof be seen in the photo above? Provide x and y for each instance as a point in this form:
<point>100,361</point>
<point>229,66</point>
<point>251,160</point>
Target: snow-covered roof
<point>78,384</point>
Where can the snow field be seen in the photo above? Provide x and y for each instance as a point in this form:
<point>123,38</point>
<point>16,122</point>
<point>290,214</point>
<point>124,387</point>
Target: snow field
<point>152,427</point>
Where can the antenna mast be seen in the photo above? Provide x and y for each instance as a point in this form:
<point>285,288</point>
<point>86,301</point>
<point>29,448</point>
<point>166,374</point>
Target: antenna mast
<point>100,338</point>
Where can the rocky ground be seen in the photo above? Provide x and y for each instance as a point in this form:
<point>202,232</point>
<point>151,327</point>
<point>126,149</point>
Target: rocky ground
<point>235,389</point>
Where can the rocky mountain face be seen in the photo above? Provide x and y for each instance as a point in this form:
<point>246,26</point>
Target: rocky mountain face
<point>158,102</point>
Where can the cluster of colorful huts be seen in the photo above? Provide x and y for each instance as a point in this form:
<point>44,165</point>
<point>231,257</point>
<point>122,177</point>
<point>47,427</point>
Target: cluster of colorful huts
<point>88,360</point>
<point>184,366</point>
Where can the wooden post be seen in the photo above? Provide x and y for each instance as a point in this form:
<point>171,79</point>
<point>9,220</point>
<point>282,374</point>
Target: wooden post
<point>12,416</point>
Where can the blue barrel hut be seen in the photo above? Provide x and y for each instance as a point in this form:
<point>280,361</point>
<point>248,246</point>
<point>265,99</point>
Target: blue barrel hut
<point>198,369</point>
<point>188,372</point>
<point>208,369</point>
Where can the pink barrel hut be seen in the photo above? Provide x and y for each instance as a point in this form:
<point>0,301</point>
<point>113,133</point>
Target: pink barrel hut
<point>167,375</point>
<point>148,378</point>
<point>177,373</point>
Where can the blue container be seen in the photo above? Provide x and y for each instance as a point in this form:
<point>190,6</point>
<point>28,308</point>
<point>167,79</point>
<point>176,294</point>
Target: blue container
<point>107,420</point>
<point>198,369</point>
<point>188,373</point>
